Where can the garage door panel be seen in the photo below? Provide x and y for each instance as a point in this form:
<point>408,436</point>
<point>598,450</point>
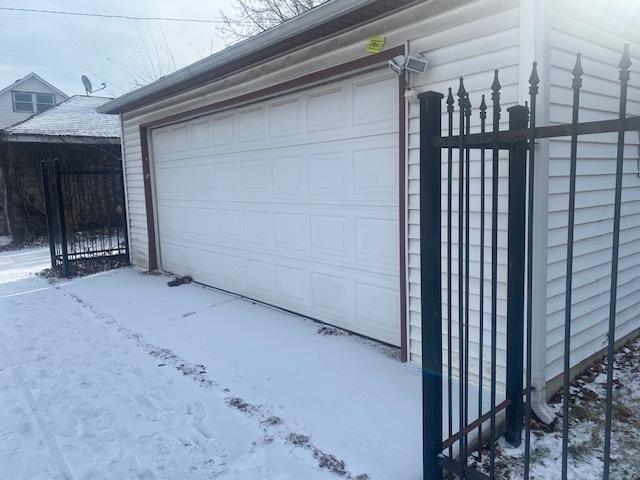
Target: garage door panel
<point>292,283</point>
<point>352,300</point>
<point>331,113</point>
<point>290,231</point>
<point>288,176</point>
<point>200,137</point>
<point>329,235</point>
<point>326,109</point>
<point>320,172</point>
<point>332,295</point>
<point>260,278</point>
<point>375,171</point>
<point>357,239</point>
<point>223,128</point>
<point>251,124</point>
<point>285,117</point>
<point>376,240</point>
<point>229,225</point>
<point>227,177</point>
<point>180,222</point>
<point>299,208</point>
<point>385,106</point>
<point>257,228</point>
<point>289,143</point>
<point>231,269</point>
<point>374,305</point>
<point>256,176</point>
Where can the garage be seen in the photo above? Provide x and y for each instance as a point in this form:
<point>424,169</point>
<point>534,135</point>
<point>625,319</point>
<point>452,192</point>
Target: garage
<point>292,201</point>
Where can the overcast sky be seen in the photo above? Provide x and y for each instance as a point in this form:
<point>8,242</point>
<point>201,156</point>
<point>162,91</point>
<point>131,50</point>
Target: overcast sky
<point>119,52</point>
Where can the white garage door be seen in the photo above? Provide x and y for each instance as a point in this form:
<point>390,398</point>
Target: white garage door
<point>292,201</point>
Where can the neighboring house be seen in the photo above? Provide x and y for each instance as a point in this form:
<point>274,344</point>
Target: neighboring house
<point>72,130</point>
<point>286,168</point>
<point>26,97</point>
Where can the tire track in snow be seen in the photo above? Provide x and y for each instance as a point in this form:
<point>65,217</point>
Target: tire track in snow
<point>198,373</point>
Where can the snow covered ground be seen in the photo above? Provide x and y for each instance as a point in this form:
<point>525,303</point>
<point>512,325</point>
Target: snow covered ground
<point>118,375</point>
<point>18,264</point>
<point>5,240</point>
<point>586,428</point>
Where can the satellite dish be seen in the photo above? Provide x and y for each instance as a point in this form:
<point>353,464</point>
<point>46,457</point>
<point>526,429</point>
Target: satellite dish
<point>87,84</point>
<point>89,88</point>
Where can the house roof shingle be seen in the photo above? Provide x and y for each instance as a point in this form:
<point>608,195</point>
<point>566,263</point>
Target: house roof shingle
<point>75,117</point>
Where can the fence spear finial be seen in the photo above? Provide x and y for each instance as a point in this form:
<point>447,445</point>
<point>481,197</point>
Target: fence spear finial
<point>495,96</point>
<point>577,68</point>
<point>462,93</point>
<point>495,86</point>
<point>534,79</point>
<point>483,108</point>
<point>625,63</point>
<point>577,72</point>
<point>450,100</point>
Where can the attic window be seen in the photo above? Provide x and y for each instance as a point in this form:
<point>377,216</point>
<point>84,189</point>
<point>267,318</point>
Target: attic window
<point>30,102</point>
<point>44,101</point>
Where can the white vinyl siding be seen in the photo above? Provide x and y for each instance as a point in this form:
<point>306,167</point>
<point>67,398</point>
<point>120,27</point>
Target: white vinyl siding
<point>31,87</point>
<point>472,49</point>
<point>138,239</point>
<point>597,30</point>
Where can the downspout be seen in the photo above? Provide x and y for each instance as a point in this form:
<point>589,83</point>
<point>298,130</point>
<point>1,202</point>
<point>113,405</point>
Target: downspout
<point>534,45</point>
<point>126,190</point>
<point>405,159</point>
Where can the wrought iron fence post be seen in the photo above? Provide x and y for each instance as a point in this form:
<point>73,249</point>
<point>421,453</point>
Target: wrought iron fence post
<point>49,210</point>
<point>430,278</point>
<point>518,119</point>
<point>63,226</point>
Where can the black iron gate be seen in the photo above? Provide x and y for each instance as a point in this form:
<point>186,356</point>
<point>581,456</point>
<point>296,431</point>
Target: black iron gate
<point>86,216</point>
<point>463,407</point>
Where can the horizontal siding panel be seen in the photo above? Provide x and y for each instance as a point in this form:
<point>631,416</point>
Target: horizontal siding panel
<point>136,205</point>
<point>490,41</point>
<point>587,260</point>
<point>588,28</point>
<point>590,25</point>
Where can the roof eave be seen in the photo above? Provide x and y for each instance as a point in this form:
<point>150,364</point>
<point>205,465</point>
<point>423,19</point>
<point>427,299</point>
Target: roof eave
<point>20,81</point>
<point>323,21</point>
<point>75,139</point>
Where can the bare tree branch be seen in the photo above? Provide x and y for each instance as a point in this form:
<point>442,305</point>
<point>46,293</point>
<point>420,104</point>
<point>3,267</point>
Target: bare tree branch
<point>261,15</point>
<point>155,57</point>
<point>146,50</point>
<point>168,48</point>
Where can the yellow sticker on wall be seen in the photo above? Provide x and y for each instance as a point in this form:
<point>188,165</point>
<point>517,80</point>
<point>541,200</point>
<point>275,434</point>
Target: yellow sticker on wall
<point>376,44</point>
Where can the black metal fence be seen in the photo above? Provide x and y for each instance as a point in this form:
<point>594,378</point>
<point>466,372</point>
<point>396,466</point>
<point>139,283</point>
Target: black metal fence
<point>464,408</point>
<point>85,205</point>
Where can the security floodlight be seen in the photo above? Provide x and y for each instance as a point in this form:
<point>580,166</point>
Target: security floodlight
<point>397,64</point>
<point>411,63</point>
<point>416,64</point>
